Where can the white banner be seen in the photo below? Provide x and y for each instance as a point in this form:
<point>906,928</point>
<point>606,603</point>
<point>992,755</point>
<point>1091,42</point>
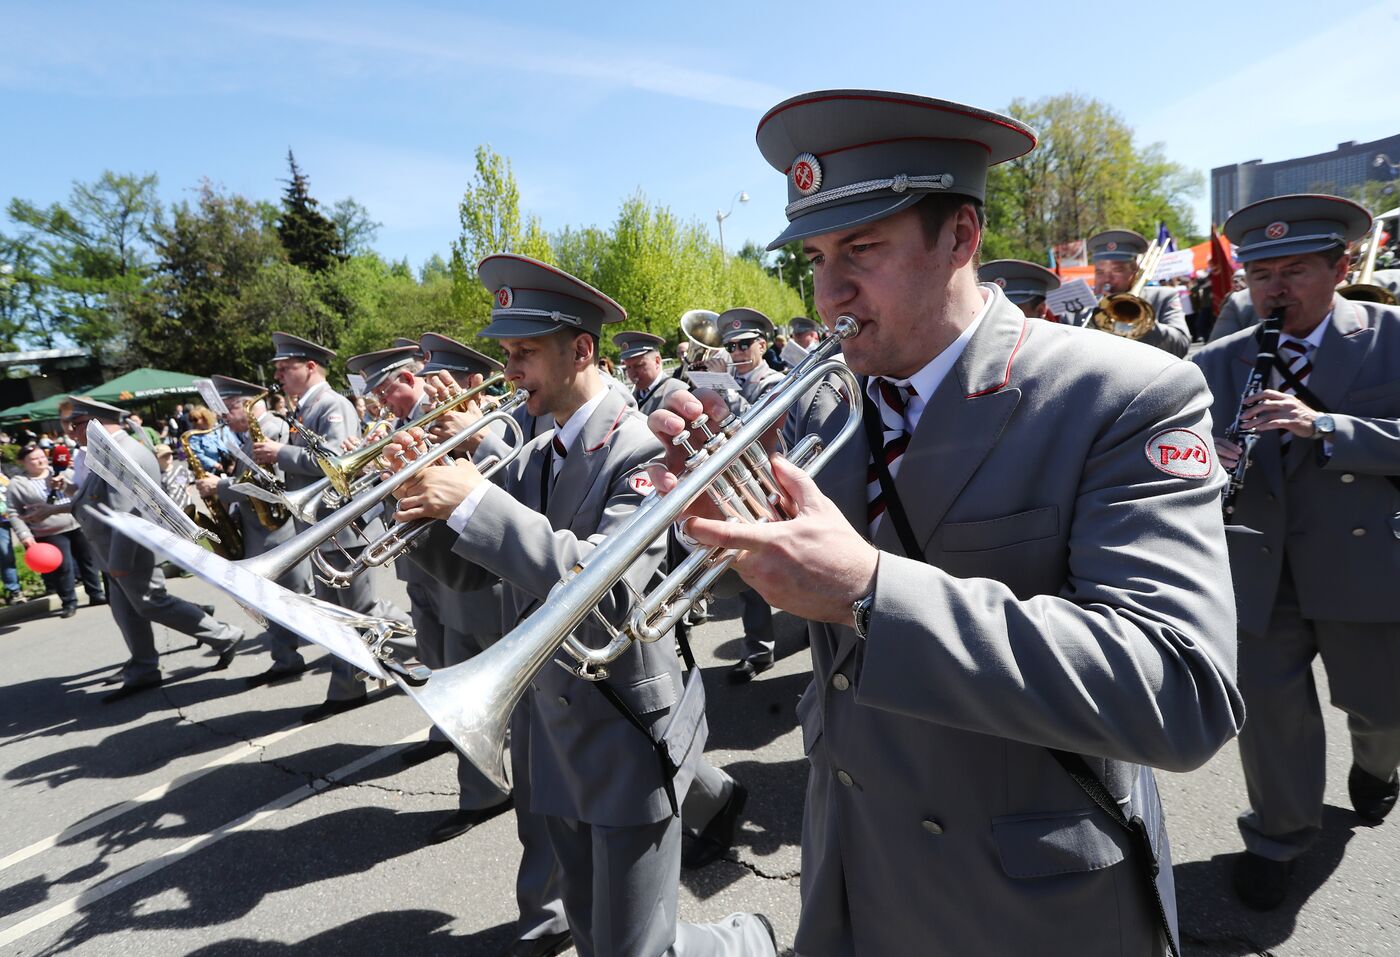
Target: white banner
<point>1175,264</point>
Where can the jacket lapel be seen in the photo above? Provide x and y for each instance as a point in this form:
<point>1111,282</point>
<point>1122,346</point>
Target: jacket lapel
<point>585,459</point>
<point>1338,359</point>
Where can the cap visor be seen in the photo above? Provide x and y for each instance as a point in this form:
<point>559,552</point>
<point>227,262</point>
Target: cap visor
<point>845,216</point>
<point>1279,250</point>
<point>514,328</point>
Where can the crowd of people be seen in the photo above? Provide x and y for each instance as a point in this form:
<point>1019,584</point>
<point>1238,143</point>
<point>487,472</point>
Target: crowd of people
<point>1022,593</point>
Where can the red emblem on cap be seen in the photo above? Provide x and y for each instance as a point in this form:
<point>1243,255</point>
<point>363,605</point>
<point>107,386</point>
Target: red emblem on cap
<point>1111,246</point>
<point>1000,281</point>
<point>1276,230</point>
<point>505,297</point>
<point>807,174</point>
<point>736,324</point>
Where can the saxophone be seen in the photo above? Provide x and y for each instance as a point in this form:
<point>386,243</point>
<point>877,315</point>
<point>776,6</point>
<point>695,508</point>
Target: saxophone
<point>270,516</point>
<point>218,521</point>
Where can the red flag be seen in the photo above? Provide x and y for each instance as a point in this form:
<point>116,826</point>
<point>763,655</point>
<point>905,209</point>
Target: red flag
<point>1222,270</point>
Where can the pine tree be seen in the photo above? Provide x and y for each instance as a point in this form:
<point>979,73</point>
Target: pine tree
<point>310,238</point>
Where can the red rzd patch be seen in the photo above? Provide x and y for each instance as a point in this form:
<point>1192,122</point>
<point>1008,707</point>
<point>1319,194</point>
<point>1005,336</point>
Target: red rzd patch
<point>1180,452</point>
<point>640,483</point>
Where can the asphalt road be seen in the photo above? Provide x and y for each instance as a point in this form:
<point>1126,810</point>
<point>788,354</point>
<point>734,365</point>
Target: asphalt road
<point>203,818</point>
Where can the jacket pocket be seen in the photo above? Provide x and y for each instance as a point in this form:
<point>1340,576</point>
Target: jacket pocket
<point>809,716</point>
<point>1000,532</point>
<point>1065,842</point>
<point>648,695</point>
<point>1373,394</point>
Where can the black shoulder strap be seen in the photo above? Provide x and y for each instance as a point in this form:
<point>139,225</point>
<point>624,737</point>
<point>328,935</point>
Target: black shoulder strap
<point>663,756</point>
<point>1073,764</point>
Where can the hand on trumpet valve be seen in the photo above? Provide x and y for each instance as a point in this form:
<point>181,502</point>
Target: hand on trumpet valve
<point>349,443</point>
<point>432,492</point>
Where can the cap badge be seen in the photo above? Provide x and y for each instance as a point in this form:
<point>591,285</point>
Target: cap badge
<point>1276,230</point>
<point>1111,246</point>
<point>736,324</point>
<point>806,174</point>
<point>505,297</point>
<point>1000,281</point>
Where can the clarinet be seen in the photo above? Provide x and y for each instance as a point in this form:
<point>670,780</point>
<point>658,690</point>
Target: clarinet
<point>1246,438</point>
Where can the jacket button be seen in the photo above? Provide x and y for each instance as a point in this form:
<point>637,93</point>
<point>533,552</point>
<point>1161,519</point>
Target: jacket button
<point>1266,549</point>
<point>563,701</point>
<point>845,778</point>
<point>1358,532</point>
<point>933,827</point>
<point>840,682</point>
<point>1348,477</point>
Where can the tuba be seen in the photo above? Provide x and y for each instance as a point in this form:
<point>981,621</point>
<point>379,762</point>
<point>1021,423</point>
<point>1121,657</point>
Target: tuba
<point>1127,314</point>
<point>217,520</point>
<point>1362,287</point>
<point>472,701</point>
<point>701,328</point>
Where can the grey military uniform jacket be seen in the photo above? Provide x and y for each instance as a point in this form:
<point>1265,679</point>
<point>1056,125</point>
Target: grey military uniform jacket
<point>655,397</point>
<point>760,380</point>
<point>1236,313</point>
<point>1170,333</point>
<point>1334,518</point>
<point>113,551</point>
<point>1071,595</point>
<point>257,538</point>
<point>331,416</point>
<point>586,762</point>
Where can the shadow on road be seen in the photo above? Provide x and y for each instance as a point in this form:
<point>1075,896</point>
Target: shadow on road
<point>1213,921</point>
<point>393,932</point>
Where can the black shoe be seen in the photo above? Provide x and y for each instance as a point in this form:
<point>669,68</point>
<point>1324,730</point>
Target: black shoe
<point>333,706</point>
<point>420,753</point>
<point>768,926</point>
<point>99,600</point>
<point>1370,796</point>
<point>460,822</point>
<point>1260,882</point>
<point>718,836</point>
<point>547,946</point>
<point>749,668</point>
<point>275,675</point>
<point>208,610</point>
<point>131,688</point>
<point>68,611</point>
<point>226,656</point>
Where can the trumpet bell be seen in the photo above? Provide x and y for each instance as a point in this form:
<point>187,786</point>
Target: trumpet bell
<point>701,327</point>
<point>467,702</point>
<point>1124,315</point>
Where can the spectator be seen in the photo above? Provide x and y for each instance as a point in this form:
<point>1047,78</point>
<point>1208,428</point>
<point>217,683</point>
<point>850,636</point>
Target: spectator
<point>37,499</point>
<point>174,475</point>
<point>211,448</point>
<point>8,572</point>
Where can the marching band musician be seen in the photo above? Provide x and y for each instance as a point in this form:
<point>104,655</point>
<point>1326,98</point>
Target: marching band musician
<point>301,369</point>
<point>1025,284</point>
<point>594,774</point>
<point>1115,254</point>
<point>973,571</point>
<point>805,332</point>
<point>136,593</point>
<point>640,353</point>
<point>287,662</point>
<point>1319,516</point>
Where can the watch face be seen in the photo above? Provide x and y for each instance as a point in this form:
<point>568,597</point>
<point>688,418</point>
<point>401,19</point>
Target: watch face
<point>1324,423</point>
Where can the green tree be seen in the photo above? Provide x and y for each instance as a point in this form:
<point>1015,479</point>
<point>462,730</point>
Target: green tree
<point>355,229</point>
<point>791,265</point>
<point>1087,174</point>
<point>311,240</point>
<point>80,267</point>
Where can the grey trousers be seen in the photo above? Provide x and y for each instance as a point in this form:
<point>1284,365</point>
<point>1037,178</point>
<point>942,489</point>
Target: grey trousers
<point>708,793</point>
<point>1282,746</point>
<point>140,598</point>
<point>537,890</point>
<point>358,597</point>
<point>283,643</point>
<point>757,617</point>
<point>619,886</point>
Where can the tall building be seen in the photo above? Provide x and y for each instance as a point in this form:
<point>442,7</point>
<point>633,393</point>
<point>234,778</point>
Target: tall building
<point>1335,172</point>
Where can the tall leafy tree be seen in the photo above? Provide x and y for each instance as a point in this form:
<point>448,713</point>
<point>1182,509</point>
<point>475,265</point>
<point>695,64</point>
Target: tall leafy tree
<point>312,240</point>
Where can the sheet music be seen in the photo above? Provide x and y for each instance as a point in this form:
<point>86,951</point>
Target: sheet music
<point>210,395</point>
<point>111,463</point>
<point>313,620</point>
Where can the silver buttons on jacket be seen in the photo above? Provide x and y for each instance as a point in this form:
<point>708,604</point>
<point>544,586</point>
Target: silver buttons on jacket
<point>932,826</point>
<point>845,778</point>
<point>840,682</point>
<point>1358,532</point>
<point>1348,478</point>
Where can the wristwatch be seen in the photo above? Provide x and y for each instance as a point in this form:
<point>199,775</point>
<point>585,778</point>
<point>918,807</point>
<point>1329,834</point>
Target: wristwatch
<point>1324,425</point>
<point>860,614</point>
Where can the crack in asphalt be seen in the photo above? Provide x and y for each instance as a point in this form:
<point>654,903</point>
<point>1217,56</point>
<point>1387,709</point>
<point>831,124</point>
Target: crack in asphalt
<point>786,876</point>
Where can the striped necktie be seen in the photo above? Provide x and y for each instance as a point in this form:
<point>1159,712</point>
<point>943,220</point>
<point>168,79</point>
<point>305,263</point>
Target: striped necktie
<point>1298,355</point>
<point>893,405</point>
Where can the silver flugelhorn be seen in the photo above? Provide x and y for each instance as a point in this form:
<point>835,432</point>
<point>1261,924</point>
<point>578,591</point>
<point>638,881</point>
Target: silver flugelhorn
<point>472,701</point>
<point>401,536</point>
<point>277,561</point>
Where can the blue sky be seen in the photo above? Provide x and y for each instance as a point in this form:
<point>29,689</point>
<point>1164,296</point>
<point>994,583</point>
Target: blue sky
<point>594,101</point>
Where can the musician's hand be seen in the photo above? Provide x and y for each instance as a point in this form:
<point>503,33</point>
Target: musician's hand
<point>715,364</point>
<point>1228,453</point>
<point>208,486</point>
<point>440,386</point>
<point>437,491</point>
<point>347,444</point>
<point>1271,409</point>
<point>813,566</point>
<point>265,453</point>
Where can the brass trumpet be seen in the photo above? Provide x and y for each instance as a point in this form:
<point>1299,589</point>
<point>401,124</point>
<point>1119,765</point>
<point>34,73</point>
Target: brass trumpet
<point>1362,287</point>
<point>1127,314</point>
<point>472,701</point>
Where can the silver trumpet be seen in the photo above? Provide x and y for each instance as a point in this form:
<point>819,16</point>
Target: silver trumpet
<point>472,701</point>
<point>277,561</point>
<point>402,536</point>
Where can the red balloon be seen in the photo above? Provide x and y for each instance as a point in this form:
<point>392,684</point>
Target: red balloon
<point>43,557</point>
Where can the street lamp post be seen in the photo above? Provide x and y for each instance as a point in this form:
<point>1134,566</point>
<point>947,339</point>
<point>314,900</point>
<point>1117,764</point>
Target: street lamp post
<point>739,197</point>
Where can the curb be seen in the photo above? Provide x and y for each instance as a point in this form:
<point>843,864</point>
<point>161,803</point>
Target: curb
<point>33,608</point>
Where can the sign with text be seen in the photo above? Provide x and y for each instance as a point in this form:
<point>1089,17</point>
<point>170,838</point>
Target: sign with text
<point>1070,298</point>
<point>1175,264</point>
